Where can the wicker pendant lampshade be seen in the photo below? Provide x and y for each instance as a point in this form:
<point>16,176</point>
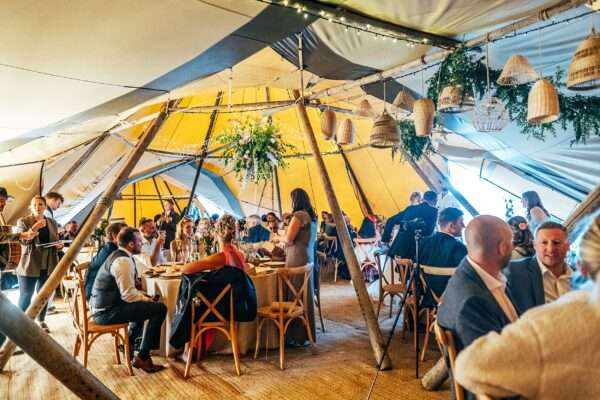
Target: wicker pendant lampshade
<point>584,71</point>
<point>364,109</point>
<point>517,71</point>
<point>542,103</point>
<point>490,115</point>
<point>345,132</point>
<point>404,100</point>
<point>452,100</point>
<point>328,125</point>
<point>385,132</point>
<point>423,111</point>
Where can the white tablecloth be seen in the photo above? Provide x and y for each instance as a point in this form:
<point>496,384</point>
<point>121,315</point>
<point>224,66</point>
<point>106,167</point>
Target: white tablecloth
<point>266,293</point>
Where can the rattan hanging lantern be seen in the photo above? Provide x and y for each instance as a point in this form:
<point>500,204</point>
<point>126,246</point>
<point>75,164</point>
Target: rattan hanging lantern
<point>384,133</point>
<point>423,111</point>
<point>584,70</point>
<point>452,100</point>
<point>345,132</point>
<point>517,71</point>
<point>328,125</point>
<point>404,100</point>
<point>542,103</point>
<point>490,115</point>
<point>364,109</point>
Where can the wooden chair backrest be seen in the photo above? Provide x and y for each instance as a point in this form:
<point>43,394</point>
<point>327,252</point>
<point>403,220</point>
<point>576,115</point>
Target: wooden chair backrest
<point>299,292</point>
<point>402,267</point>
<point>437,271</point>
<point>76,298</point>
<point>446,340</point>
<point>211,306</point>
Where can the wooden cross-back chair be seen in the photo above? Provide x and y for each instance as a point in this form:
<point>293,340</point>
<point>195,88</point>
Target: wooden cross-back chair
<point>396,284</point>
<point>431,313</point>
<point>227,326</point>
<point>86,328</point>
<point>446,342</point>
<point>282,312</point>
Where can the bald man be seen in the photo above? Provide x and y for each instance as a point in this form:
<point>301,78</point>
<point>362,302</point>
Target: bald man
<point>476,300</point>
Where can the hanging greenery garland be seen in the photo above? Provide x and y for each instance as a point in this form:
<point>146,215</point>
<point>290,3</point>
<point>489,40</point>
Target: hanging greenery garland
<point>413,146</point>
<point>253,148</point>
<point>463,68</point>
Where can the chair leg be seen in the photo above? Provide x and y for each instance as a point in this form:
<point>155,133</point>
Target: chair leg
<point>188,362</point>
<point>77,346</point>
<point>335,270</point>
<point>307,326</point>
<point>391,305</point>
<point>381,298</point>
<point>127,351</point>
<point>259,323</point>
<point>320,311</point>
<point>118,358</point>
<point>85,351</point>
<point>427,329</point>
<point>235,348</point>
<point>281,346</point>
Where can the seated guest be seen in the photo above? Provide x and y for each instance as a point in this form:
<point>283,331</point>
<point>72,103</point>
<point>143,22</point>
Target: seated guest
<point>273,223</point>
<point>203,228</point>
<point>475,301</point>
<point>152,243</point>
<point>522,238</point>
<point>116,299</point>
<point>228,256</point>
<point>546,276</point>
<point>404,242</point>
<point>182,246</point>
<point>442,249</point>
<point>367,228</point>
<point>70,232</point>
<point>256,232</point>
<point>551,351</point>
<point>110,245</point>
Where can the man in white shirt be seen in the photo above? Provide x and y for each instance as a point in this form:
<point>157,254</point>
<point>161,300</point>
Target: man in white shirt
<point>116,299</point>
<point>447,199</point>
<point>152,244</point>
<point>544,277</point>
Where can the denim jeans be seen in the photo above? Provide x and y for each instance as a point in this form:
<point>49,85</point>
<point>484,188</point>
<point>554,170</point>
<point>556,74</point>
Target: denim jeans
<point>136,314</point>
<point>27,286</point>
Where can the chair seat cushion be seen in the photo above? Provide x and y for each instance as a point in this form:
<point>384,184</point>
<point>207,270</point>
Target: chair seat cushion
<point>94,327</point>
<point>394,288</point>
<point>272,311</point>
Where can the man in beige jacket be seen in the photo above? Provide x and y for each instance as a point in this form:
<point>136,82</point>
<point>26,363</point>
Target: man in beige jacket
<point>551,352</point>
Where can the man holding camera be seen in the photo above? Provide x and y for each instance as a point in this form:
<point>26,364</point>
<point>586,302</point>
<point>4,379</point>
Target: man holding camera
<point>116,299</point>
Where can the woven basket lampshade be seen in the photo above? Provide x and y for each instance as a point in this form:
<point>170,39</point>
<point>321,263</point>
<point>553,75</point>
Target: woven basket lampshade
<point>452,100</point>
<point>328,125</point>
<point>542,103</point>
<point>423,111</point>
<point>385,132</point>
<point>404,100</point>
<point>364,109</point>
<point>584,71</point>
<point>490,115</point>
<point>345,132</point>
<point>517,71</point>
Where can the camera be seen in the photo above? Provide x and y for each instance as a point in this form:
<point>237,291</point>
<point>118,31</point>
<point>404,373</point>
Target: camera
<point>413,225</point>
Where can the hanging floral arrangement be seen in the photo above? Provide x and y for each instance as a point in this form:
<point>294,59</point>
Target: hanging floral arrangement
<point>253,149</point>
<point>411,145</point>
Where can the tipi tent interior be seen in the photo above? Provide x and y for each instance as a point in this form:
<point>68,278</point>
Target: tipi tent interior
<point>83,82</point>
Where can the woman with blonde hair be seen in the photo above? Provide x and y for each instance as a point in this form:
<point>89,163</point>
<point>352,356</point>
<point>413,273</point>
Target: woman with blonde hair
<point>550,352</point>
<point>182,246</point>
<point>228,255</point>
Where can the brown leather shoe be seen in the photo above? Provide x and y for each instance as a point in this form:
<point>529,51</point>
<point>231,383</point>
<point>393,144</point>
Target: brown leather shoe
<point>147,365</point>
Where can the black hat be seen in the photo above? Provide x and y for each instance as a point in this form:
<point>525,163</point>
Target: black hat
<point>4,193</point>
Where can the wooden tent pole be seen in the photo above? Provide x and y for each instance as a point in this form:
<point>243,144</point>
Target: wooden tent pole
<point>49,354</point>
<point>278,191</point>
<point>209,131</point>
<point>362,197</point>
<point>79,163</point>
<point>587,206</point>
<point>375,335</point>
<point>135,220</point>
<point>162,205</point>
<point>41,298</point>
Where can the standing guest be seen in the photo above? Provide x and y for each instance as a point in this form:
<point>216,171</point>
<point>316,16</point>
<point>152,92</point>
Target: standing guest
<point>182,246</point>
<point>228,255</point>
<point>256,232</point>
<point>551,351</point>
<point>193,213</point>
<point>152,243</point>
<point>367,227</point>
<point>415,198</point>
<point>546,276</point>
<point>522,238</point>
<point>300,238</point>
<point>168,222</point>
<point>40,255</point>
<point>326,218</point>
<point>447,199</point>
<point>70,232</point>
<point>54,201</point>
<point>536,213</point>
<point>110,245</point>
<point>116,299</point>
<point>476,300</point>
<point>395,220</point>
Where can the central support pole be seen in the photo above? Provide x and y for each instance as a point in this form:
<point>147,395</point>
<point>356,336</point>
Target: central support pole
<point>362,197</point>
<point>49,354</point>
<point>375,336</point>
<point>41,298</point>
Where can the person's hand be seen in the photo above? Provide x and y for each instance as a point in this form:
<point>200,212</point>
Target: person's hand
<point>29,235</point>
<point>59,246</point>
<point>162,236</point>
<point>39,225</point>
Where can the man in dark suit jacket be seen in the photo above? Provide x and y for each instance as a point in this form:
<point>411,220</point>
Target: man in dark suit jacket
<point>256,232</point>
<point>526,283</point>
<point>404,243</point>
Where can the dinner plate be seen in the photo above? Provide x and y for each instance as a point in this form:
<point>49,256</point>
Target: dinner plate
<point>168,275</point>
<point>273,264</point>
<point>264,259</point>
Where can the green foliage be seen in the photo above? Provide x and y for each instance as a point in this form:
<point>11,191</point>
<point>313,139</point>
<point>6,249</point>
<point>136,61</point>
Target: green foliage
<point>580,112</point>
<point>413,145</point>
<point>253,149</point>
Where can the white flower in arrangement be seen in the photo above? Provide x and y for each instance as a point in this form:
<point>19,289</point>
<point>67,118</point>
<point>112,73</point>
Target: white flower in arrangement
<point>271,158</point>
<point>273,140</point>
